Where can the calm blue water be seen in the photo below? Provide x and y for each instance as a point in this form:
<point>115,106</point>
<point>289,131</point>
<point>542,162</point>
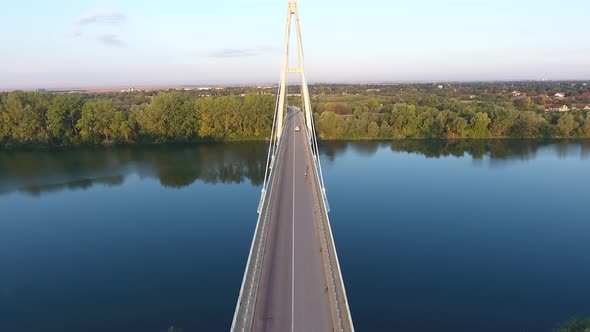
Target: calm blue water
<point>432,236</point>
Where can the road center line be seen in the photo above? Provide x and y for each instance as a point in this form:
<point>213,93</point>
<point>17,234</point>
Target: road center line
<point>293,240</point>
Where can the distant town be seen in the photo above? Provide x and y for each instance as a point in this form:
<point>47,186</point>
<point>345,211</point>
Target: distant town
<point>556,96</point>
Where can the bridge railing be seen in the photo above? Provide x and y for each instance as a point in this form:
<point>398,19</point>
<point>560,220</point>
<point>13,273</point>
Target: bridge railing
<point>244,314</point>
<point>340,310</point>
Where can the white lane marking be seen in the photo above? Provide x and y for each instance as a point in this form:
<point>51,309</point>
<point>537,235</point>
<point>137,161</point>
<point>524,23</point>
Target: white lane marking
<point>293,249</point>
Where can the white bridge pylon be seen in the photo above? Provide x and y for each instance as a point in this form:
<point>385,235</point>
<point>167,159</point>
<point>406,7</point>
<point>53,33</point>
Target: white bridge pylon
<point>281,109</point>
<point>293,12</point>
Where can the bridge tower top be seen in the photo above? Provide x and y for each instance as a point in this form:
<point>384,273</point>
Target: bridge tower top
<point>293,17</point>
<point>292,6</point>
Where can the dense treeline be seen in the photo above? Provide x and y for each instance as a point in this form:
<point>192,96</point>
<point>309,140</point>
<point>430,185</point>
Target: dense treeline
<point>453,110</point>
<point>410,121</point>
<point>489,110</point>
<point>32,118</point>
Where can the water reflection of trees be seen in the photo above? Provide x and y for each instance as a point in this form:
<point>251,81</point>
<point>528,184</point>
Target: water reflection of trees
<point>36,172</point>
<point>497,150</point>
<point>332,149</point>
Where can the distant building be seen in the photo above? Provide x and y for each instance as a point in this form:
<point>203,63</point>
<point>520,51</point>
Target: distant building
<point>560,95</point>
<point>587,107</point>
<point>516,93</point>
<point>557,108</point>
<point>440,86</point>
<point>586,95</point>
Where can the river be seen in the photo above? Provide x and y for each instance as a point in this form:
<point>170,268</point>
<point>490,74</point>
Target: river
<point>431,235</point>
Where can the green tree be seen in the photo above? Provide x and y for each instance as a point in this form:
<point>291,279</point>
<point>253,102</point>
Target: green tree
<point>170,117</point>
<point>586,129</point>
<point>96,123</point>
<point>328,125</point>
<point>219,118</point>
<point>123,128</point>
<point>566,125</point>
<point>405,121</point>
<point>358,127</point>
<point>480,125</point>
<point>524,104</point>
<point>385,130</point>
<point>258,112</point>
<point>431,125</point>
<point>2,130</point>
<point>460,128</point>
<point>358,112</point>
<point>529,124</point>
<point>373,130</point>
<point>542,100</point>
<point>24,117</point>
<point>503,122</point>
<point>375,104</point>
<point>62,116</point>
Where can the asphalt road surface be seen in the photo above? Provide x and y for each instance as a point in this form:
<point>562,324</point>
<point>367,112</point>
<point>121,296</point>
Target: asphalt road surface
<point>293,291</point>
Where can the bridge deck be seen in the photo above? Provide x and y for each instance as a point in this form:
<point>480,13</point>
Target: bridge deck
<point>293,291</point>
<point>292,280</point>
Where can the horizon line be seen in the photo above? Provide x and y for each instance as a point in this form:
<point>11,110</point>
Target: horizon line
<point>111,88</point>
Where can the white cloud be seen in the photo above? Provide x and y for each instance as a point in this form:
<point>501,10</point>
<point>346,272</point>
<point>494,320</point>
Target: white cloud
<point>102,18</point>
<point>239,52</point>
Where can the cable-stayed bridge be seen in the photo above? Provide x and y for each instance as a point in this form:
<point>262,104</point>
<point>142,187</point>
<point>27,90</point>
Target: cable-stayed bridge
<point>292,280</point>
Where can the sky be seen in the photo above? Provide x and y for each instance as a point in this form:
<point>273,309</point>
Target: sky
<point>87,43</point>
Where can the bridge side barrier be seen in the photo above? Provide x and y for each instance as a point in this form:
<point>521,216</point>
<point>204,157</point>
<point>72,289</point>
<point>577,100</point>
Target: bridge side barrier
<point>244,314</point>
<point>341,316</point>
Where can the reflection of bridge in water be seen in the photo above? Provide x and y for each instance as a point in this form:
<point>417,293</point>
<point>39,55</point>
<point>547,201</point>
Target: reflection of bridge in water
<point>292,280</point>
